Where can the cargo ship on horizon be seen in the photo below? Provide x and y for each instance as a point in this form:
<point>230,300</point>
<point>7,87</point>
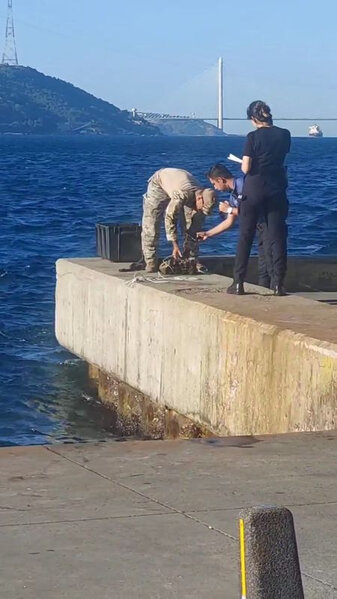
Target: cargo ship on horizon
<point>315,131</point>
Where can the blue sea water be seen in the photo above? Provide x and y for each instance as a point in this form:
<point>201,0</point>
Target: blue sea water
<point>52,192</point>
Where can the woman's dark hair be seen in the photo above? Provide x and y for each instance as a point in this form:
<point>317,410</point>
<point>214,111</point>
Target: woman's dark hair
<point>219,170</point>
<point>260,111</point>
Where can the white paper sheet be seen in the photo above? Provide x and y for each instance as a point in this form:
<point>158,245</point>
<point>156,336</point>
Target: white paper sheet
<point>234,158</point>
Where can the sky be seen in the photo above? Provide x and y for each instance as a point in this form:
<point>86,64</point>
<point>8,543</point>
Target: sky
<point>161,56</point>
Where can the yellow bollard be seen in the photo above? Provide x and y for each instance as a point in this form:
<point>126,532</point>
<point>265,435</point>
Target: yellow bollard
<point>243,560</point>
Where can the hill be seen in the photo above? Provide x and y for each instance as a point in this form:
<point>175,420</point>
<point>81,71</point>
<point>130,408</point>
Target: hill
<point>31,102</point>
<point>191,128</point>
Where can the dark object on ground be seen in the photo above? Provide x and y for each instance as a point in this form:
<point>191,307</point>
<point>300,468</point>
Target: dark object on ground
<point>170,266</point>
<point>279,290</point>
<point>236,289</point>
<point>139,265</point>
<point>182,266</point>
<point>269,559</point>
<point>119,242</point>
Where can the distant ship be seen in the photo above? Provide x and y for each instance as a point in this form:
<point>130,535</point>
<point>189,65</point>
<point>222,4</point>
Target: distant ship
<point>315,131</point>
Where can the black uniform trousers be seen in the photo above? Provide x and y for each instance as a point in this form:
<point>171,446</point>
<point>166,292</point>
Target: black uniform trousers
<point>265,260</point>
<point>262,196</point>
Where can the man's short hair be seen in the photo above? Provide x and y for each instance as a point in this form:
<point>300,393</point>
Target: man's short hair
<point>219,170</point>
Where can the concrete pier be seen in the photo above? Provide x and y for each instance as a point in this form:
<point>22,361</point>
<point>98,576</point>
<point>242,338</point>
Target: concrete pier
<point>159,519</point>
<point>236,365</point>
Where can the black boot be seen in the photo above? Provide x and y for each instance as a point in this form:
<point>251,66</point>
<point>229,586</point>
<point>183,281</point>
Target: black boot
<point>236,289</point>
<point>279,290</point>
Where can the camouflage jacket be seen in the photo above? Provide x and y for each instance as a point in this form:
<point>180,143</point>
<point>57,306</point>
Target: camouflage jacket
<point>181,207</point>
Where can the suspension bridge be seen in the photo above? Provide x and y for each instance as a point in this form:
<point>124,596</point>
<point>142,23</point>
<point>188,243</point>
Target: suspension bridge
<point>156,116</point>
<point>219,119</point>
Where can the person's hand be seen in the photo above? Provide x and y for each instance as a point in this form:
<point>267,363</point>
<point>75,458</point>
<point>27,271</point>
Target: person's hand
<point>203,235</point>
<point>223,207</point>
<point>176,253</point>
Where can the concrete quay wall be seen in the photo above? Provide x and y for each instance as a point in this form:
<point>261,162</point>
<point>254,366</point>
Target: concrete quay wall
<point>238,366</point>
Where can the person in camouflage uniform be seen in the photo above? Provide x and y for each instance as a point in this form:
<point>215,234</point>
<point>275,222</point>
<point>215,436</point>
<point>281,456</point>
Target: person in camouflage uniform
<point>178,197</point>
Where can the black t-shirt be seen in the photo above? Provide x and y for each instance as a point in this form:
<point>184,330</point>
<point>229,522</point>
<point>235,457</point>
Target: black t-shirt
<point>267,146</point>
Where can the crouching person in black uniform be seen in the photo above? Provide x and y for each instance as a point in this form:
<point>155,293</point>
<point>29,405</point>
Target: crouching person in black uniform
<point>264,192</point>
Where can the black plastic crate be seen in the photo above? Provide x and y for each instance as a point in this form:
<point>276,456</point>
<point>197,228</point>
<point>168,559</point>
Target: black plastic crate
<point>119,242</point>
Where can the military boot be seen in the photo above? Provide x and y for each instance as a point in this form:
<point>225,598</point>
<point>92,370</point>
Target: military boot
<point>151,266</point>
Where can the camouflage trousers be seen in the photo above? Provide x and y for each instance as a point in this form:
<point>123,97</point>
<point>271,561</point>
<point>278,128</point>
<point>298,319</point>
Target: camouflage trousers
<point>155,202</point>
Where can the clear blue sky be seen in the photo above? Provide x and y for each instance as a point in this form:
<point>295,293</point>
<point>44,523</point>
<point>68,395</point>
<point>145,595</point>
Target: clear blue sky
<point>161,56</point>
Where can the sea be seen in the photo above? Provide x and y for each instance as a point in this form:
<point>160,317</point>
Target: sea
<point>53,190</point>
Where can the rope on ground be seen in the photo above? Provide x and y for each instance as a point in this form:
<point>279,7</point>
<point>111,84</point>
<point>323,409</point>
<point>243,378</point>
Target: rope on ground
<point>159,279</point>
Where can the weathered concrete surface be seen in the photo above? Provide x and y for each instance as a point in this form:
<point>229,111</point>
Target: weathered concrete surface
<point>325,297</point>
<point>159,519</point>
<point>305,273</point>
<point>270,567</point>
<point>237,365</point>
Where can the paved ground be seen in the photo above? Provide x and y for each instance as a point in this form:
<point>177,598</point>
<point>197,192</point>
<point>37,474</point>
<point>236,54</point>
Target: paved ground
<point>325,297</point>
<point>158,519</point>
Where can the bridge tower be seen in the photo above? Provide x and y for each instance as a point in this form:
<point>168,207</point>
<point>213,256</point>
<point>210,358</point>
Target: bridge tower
<point>220,94</point>
<point>10,56</point>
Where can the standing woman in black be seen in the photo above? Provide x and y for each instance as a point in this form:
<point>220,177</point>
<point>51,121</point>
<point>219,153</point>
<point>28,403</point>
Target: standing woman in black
<point>264,194</point>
